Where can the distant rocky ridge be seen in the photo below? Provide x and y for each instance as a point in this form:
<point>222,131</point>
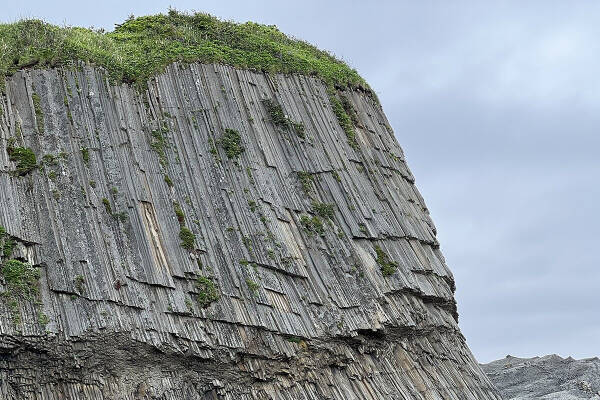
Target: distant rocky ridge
<point>548,377</point>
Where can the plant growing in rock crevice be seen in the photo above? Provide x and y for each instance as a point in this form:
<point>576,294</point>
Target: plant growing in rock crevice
<point>24,158</point>
<point>306,182</point>
<point>39,114</point>
<point>187,237</point>
<point>386,266</point>
<point>20,278</point>
<point>323,210</point>
<point>160,144</point>
<point>281,120</point>
<point>343,118</point>
<point>253,286</point>
<point>312,224</point>
<point>231,141</point>
<point>207,291</point>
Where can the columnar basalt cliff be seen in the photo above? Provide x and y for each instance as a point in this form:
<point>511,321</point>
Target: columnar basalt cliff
<point>218,233</point>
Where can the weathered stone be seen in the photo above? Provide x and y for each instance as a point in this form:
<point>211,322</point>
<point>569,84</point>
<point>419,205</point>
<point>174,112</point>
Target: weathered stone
<point>262,303</point>
<point>550,377</point>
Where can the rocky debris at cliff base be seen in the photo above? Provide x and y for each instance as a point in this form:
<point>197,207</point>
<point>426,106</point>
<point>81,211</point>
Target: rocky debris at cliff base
<point>550,377</point>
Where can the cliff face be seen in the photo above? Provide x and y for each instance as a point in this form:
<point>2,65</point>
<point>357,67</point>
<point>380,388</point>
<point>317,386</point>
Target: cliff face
<point>219,236</point>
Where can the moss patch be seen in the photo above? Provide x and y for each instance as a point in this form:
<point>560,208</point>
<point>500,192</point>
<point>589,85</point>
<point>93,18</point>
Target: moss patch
<point>160,144</point>
<point>107,206</point>
<point>7,243</point>
<point>253,286</point>
<point>85,154</point>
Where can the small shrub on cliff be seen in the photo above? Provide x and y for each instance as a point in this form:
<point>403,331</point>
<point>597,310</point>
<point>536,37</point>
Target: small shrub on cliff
<point>281,120</point>
<point>24,157</point>
<point>20,278</point>
<point>7,244</point>
<point>386,266</point>
<point>306,181</point>
<point>187,238</point>
<point>207,291</point>
<point>323,210</point>
<point>312,225</point>
<point>343,118</point>
<point>232,143</point>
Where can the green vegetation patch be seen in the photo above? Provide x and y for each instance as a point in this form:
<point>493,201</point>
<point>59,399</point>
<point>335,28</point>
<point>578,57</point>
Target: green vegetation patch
<point>85,154</point>
<point>107,206</point>
<point>253,286</point>
<point>323,210</point>
<point>343,118</point>
<point>24,157</point>
<point>312,224</point>
<point>187,238</point>
<point>231,141</point>
<point>160,144</point>
<point>306,181</point>
<point>207,291</point>
<point>37,107</point>
<point>179,213</point>
<point>21,278</point>
<point>141,47</point>
<point>7,243</point>
<point>386,266</point>
<point>281,120</point>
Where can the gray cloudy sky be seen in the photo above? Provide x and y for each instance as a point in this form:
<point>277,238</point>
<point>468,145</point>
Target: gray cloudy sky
<point>496,106</point>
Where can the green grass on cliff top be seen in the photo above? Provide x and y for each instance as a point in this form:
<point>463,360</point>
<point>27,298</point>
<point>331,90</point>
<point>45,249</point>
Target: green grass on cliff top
<point>142,47</point>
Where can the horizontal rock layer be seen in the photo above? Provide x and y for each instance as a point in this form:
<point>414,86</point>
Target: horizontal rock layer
<point>281,293</point>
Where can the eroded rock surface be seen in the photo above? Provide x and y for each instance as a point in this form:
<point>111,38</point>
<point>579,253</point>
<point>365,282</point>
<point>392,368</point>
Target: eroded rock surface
<point>178,262</point>
<point>550,378</point>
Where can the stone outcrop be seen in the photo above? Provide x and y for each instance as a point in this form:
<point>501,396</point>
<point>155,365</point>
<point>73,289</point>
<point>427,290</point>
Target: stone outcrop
<point>550,378</point>
<point>216,236</point>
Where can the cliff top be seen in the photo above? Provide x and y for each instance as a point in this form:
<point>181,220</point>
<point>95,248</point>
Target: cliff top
<point>141,47</point>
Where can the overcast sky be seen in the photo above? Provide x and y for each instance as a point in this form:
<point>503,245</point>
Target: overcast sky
<point>496,105</point>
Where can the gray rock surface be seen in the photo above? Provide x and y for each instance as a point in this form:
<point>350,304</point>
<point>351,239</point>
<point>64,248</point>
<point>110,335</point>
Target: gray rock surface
<point>303,309</point>
<point>550,377</point>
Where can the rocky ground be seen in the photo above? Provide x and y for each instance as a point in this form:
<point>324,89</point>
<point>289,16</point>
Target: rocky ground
<point>548,377</point>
